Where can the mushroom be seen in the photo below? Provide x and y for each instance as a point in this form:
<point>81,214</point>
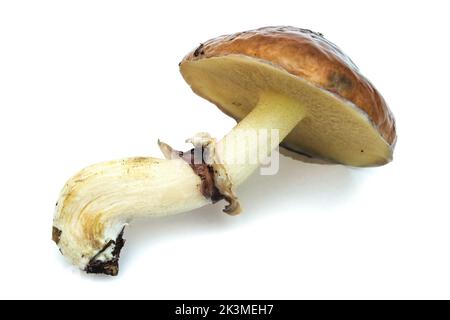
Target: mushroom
<point>275,78</point>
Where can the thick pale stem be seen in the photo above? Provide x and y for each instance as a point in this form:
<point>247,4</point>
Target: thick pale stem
<point>100,200</point>
<point>273,113</point>
<point>96,203</point>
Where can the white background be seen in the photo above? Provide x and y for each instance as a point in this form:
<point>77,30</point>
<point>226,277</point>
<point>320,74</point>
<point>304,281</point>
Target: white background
<point>88,81</point>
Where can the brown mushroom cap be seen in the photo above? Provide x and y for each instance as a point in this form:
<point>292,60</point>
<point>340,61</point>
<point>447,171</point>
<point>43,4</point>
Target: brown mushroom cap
<point>348,120</point>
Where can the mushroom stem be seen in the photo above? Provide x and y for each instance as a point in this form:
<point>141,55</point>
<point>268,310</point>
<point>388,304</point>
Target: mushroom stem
<point>96,204</point>
<point>258,134</point>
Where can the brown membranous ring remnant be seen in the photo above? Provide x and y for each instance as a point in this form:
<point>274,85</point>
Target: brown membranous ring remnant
<point>208,173</point>
<point>215,183</point>
<point>204,171</point>
<point>110,267</point>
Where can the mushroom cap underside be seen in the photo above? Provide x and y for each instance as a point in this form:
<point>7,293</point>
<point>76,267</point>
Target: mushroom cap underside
<point>347,121</point>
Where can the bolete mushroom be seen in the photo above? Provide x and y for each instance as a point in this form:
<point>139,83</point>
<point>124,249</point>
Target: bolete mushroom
<point>282,78</point>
